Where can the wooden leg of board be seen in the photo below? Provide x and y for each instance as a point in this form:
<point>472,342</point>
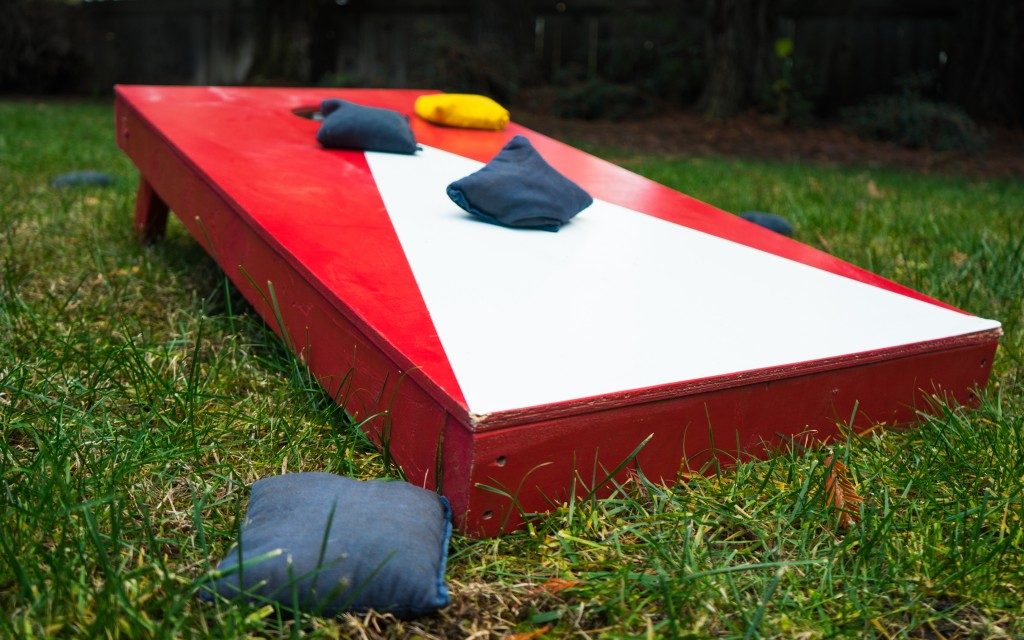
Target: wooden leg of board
<point>150,214</point>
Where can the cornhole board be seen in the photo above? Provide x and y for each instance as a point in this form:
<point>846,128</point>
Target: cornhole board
<point>515,368</point>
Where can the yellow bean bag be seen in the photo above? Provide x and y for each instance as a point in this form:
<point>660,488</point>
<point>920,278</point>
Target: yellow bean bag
<point>465,110</point>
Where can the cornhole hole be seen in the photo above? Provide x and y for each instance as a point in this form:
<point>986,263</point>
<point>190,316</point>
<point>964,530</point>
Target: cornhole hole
<point>514,368</point>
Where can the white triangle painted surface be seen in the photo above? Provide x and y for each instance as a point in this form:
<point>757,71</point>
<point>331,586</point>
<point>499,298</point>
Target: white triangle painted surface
<point>618,300</point>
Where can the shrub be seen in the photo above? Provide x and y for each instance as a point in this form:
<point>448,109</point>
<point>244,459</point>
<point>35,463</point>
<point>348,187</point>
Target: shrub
<point>660,53</point>
<point>597,99</point>
<point>914,122</point>
<point>36,47</point>
<point>453,63</point>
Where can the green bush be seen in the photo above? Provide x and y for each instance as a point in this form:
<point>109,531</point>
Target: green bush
<point>451,62</point>
<point>37,51</point>
<point>661,54</point>
<point>600,100</point>
<point>914,122</point>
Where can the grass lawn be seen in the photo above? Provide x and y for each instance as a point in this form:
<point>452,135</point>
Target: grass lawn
<point>140,397</point>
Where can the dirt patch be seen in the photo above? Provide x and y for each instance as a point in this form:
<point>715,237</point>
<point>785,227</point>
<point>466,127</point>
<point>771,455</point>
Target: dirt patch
<point>755,136</point>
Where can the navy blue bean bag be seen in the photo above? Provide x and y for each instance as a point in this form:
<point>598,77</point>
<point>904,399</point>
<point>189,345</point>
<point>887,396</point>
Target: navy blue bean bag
<point>326,544</point>
<point>518,188</point>
<point>82,178</point>
<point>347,125</point>
<point>771,221</point>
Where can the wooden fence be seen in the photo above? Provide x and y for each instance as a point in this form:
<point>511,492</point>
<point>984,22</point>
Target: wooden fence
<point>847,52</point>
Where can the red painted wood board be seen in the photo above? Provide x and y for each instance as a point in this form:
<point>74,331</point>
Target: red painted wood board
<point>519,362</point>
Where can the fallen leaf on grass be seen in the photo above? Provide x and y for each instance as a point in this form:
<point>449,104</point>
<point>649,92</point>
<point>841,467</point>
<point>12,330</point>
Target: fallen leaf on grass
<point>840,493</point>
<point>555,585</point>
<point>874,192</point>
<point>529,635</point>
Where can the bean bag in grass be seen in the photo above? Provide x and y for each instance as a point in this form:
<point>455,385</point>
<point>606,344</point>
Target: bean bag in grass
<point>465,110</point>
<point>326,544</point>
<point>771,221</point>
<point>82,178</point>
<point>347,125</point>
<point>518,188</point>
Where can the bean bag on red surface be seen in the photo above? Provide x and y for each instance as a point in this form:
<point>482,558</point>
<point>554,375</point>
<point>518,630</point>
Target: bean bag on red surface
<point>347,125</point>
<point>465,110</point>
